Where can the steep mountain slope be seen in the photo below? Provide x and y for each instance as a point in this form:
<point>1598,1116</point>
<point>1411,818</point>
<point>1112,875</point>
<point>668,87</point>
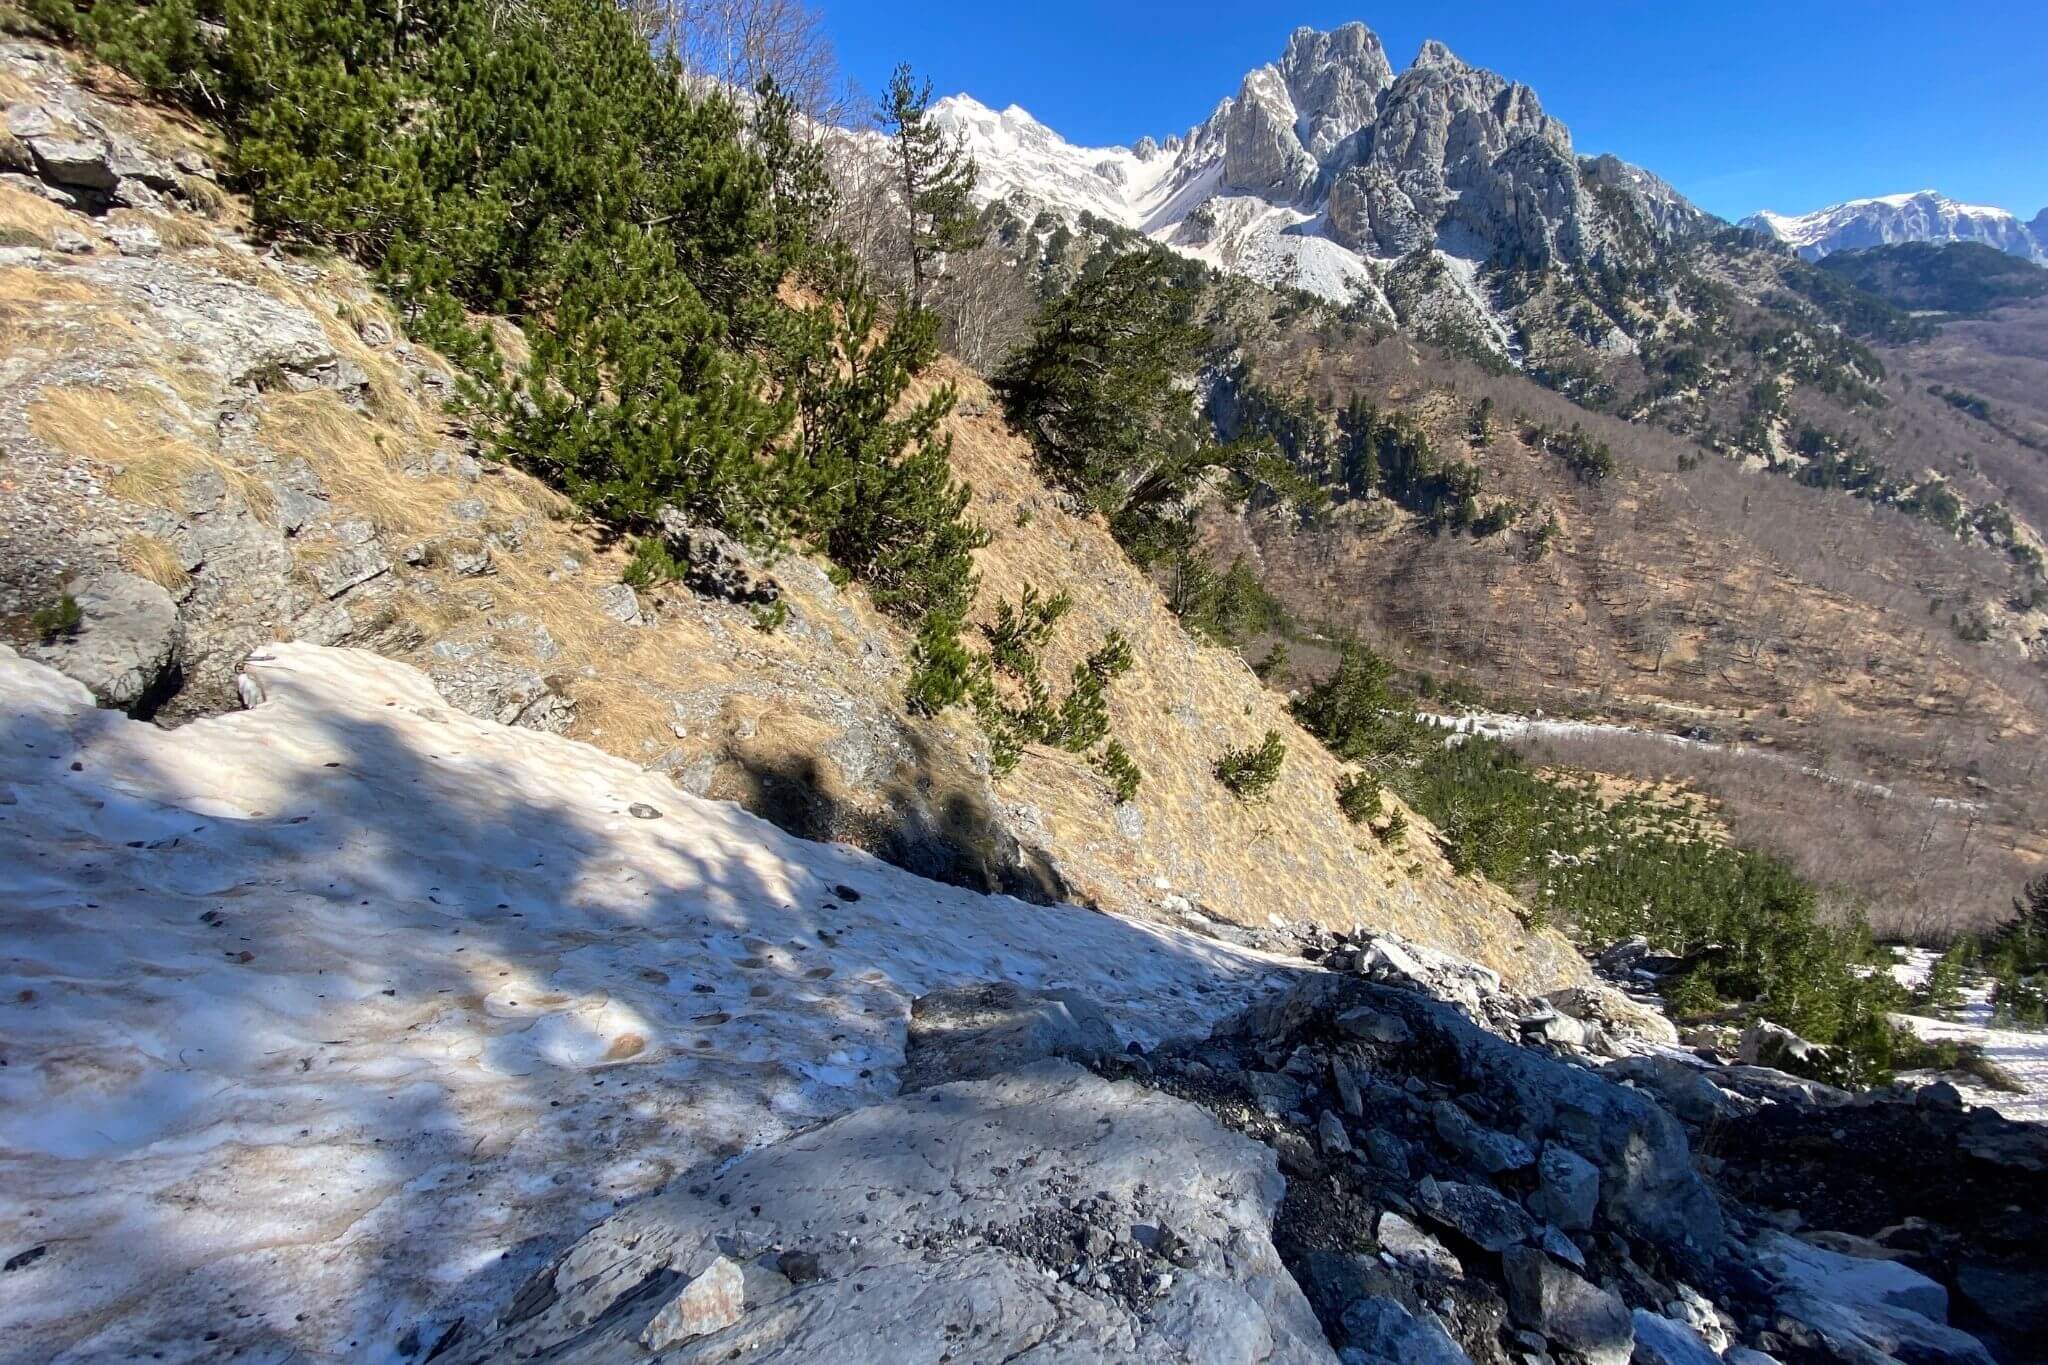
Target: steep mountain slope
<point>1788,625</point>
<point>1824,535</point>
<point>1921,216</point>
<point>1945,277</point>
<point>245,444</point>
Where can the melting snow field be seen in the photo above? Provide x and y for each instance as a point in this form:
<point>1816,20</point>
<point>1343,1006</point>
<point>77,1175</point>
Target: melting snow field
<point>323,1023</point>
<point>2022,1054</point>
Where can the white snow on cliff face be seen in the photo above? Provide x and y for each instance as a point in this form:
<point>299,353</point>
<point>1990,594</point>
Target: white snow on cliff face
<point>1919,216</point>
<point>1018,155</point>
<point>1172,194</point>
<point>325,1022</point>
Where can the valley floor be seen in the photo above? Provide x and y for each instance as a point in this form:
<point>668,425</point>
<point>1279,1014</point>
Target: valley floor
<point>324,1013</point>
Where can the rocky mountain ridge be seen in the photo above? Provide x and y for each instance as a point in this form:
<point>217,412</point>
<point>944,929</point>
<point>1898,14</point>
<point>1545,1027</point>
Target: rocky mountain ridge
<point>1326,164</point>
<point>1921,216</point>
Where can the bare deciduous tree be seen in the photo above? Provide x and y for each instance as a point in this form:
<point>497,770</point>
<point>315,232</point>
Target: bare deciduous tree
<point>987,304</point>
<point>741,42</point>
<point>865,216</point>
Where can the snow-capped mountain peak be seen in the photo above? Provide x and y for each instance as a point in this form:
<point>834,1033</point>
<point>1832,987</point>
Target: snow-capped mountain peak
<point>1022,160</point>
<point>1916,216</point>
<point>1324,160</point>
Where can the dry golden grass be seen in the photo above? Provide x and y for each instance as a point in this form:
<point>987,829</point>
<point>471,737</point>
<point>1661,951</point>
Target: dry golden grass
<point>178,231</point>
<point>1179,708</point>
<point>390,399</point>
<point>33,218</point>
<point>359,459</point>
<point>411,614</point>
<point>511,343</point>
<point>13,89</point>
<point>156,561</point>
<point>213,201</point>
<point>25,288</point>
<point>39,306</point>
<point>129,431</point>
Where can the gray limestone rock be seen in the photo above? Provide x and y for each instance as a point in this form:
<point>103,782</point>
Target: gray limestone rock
<point>907,1205</point>
<point>1291,116</point>
<point>127,639</point>
<point>1274,1093</point>
<point>1380,1331</point>
<point>967,1032</point>
<point>354,564</point>
<point>73,162</point>
<point>1660,1341</point>
<point>1679,1086</point>
<point>1855,1280</point>
<point>1647,1183</point>
<point>621,603</point>
<point>716,564</point>
<point>1492,1152</point>
<point>1346,1083</point>
<point>1415,1248</point>
<point>1584,1318</point>
<point>1388,1152</point>
<point>1374,1026</point>
<point>1766,1044</point>
<point>1479,1215</point>
<point>1567,1189</point>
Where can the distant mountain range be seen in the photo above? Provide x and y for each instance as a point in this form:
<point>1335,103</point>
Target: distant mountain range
<point>1327,165</point>
<point>1923,216</point>
<point>1326,159</point>
<point>1442,197</point>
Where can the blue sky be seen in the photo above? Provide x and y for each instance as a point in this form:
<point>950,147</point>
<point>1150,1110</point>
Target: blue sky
<point>1742,105</point>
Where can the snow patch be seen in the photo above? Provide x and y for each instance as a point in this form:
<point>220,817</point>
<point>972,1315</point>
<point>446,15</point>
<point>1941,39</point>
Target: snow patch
<point>2022,1054</point>
<point>329,1020</point>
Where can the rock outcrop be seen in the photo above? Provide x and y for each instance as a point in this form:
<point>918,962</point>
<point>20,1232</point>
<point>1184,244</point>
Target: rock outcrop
<point>125,643</point>
<point>970,1032</point>
<point>1288,119</point>
<point>1042,1212</point>
<point>1455,146</point>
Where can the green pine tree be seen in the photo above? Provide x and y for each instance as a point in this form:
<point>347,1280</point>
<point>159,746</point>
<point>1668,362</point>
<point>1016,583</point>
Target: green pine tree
<point>934,179</point>
<point>873,485</point>
<point>1102,390</point>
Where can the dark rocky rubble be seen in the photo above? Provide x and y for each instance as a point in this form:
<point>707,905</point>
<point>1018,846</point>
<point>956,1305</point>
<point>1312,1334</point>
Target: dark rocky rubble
<point>1354,1170</point>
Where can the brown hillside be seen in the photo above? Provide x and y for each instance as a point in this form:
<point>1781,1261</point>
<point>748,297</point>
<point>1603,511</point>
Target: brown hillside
<point>252,432</point>
<point>1714,600</point>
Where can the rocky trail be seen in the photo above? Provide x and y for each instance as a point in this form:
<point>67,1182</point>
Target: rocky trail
<point>333,1023</point>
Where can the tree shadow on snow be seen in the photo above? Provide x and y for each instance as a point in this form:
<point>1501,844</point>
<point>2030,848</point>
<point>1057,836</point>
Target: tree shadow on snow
<point>323,1050</point>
